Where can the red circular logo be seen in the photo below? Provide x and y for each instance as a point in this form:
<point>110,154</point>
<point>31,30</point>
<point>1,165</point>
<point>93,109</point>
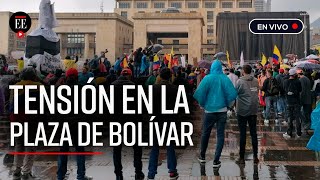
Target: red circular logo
<point>295,26</point>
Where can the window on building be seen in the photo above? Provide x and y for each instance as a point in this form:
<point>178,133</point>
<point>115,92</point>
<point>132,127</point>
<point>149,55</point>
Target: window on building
<point>210,41</point>
<point>124,14</point>
<point>193,4</point>
<point>124,5</point>
<point>158,5</point>
<point>245,4</point>
<point>21,44</point>
<point>75,38</point>
<point>210,16</point>
<point>142,5</point>
<point>177,5</point>
<point>209,4</point>
<point>227,4</point>
<point>159,41</point>
<point>210,30</point>
<point>72,51</point>
<point>175,42</point>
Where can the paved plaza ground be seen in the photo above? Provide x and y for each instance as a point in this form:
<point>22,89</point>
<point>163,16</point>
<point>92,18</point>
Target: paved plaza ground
<point>279,159</point>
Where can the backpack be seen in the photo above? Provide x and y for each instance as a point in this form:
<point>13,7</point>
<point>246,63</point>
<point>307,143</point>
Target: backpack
<point>292,90</point>
<point>273,87</point>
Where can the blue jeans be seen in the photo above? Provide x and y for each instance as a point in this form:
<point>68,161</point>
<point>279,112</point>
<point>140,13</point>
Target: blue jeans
<point>271,101</point>
<point>209,120</point>
<point>63,162</point>
<point>153,162</point>
<point>281,104</point>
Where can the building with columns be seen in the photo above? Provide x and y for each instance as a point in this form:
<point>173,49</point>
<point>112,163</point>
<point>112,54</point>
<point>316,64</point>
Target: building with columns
<point>87,34</point>
<point>208,9</point>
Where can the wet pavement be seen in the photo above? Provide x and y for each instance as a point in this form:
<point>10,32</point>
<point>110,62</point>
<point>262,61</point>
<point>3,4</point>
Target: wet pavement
<point>279,159</point>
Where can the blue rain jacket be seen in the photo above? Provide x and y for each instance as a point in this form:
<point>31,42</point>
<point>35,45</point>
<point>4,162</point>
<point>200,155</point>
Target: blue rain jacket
<point>215,91</point>
<point>314,142</point>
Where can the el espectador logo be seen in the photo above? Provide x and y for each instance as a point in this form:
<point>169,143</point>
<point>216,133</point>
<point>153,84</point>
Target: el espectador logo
<point>20,22</point>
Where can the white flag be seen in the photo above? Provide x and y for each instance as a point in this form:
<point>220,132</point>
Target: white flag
<point>183,61</point>
<point>241,59</point>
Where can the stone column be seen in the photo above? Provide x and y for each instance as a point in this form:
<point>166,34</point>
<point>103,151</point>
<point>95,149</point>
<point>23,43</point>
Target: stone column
<point>194,41</point>
<point>140,35</point>
<point>86,46</point>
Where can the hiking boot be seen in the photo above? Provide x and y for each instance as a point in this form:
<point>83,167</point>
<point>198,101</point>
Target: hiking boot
<point>286,136</point>
<point>216,164</point>
<point>201,159</point>
<point>139,176</point>
<point>173,175</point>
<point>27,176</point>
<point>240,161</point>
<point>120,177</point>
<point>17,173</point>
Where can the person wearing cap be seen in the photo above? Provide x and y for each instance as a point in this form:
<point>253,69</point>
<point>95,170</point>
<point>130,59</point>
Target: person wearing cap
<point>73,119</point>
<point>125,79</point>
<point>281,99</point>
<point>293,88</point>
<point>171,92</point>
<point>306,100</point>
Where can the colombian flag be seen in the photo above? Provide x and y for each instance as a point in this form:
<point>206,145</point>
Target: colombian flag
<point>156,62</point>
<point>276,58</point>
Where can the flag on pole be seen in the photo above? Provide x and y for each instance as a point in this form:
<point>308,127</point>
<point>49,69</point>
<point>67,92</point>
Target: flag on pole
<point>156,62</point>
<point>170,58</point>
<point>264,60</point>
<point>125,62</point>
<point>228,58</point>
<point>241,59</point>
<point>276,58</point>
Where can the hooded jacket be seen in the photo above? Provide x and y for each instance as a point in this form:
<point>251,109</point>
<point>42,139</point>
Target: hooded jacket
<point>247,102</point>
<point>215,92</point>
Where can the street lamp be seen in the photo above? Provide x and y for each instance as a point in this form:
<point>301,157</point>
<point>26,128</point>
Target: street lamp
<point>305,14</point>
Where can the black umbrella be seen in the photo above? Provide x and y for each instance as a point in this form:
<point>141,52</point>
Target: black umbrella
<point>219,55</point>
<point>204,64</point>
<point>309,66</point>
<point>157,47</point>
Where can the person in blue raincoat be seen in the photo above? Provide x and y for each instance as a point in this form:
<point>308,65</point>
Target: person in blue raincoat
<point>314,142</point>
<point>215,94</point>
<point>144,64</point>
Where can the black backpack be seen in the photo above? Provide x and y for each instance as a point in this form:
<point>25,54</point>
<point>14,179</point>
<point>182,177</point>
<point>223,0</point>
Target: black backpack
<point>292,90</point>
<point>273,87</point>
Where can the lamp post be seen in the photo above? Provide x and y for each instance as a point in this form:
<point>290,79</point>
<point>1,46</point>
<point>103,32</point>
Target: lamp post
<point>305,14</point>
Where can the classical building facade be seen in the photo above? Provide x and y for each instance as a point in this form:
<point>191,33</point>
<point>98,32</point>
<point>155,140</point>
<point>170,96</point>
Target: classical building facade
<point>186,28</point>
<point>207,8</point>
<point>84,34</point>
<point>87,34</point>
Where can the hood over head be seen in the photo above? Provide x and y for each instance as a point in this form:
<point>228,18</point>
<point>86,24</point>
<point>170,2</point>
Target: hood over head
<point>216,67</point>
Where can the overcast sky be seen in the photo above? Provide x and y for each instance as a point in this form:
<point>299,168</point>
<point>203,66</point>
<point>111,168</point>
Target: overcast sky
<point>311,6</point>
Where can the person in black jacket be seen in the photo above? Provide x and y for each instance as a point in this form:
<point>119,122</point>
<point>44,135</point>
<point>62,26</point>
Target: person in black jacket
<point>125,79</point>
<point>293,89</point>
<point>171,92</point>
<point>271,89</point>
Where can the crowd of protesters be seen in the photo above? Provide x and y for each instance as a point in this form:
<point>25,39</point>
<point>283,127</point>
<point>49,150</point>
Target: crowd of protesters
<point>282,93</point>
